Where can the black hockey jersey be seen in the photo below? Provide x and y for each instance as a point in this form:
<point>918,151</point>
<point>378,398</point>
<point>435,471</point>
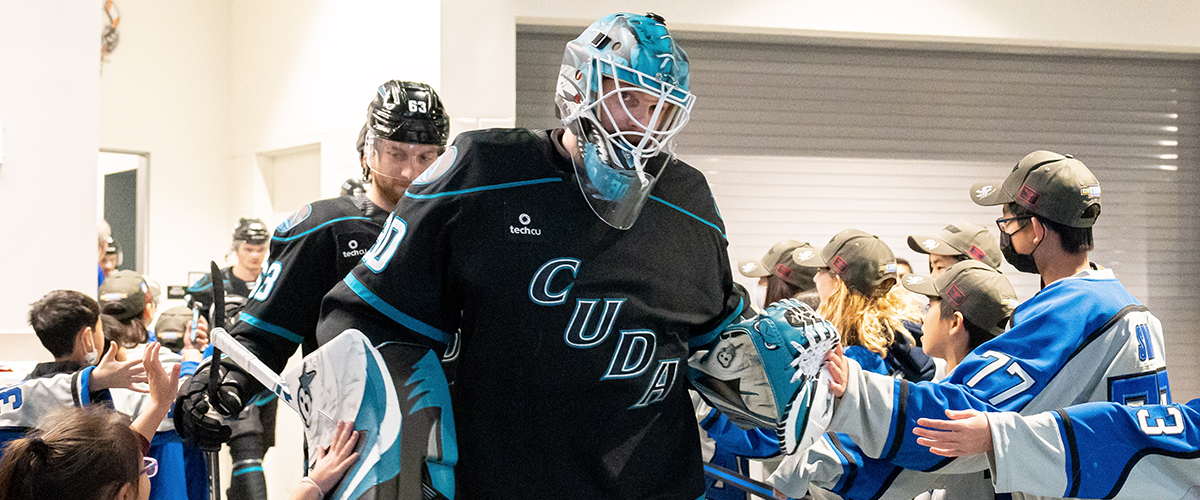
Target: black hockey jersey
<point>201,291</point>
<point>574,335</point>
<point>310,252</point>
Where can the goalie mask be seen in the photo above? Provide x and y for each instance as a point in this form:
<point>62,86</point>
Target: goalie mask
<point>623,92</point>
<point>766,372</point>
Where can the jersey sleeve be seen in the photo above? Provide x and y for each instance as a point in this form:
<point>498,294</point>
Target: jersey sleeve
<point>729,438</point>
<point>281,312</point>
<point>24,404</point>
<point>878,413</point>
<point>836,463</point>
<point>1100,450</point>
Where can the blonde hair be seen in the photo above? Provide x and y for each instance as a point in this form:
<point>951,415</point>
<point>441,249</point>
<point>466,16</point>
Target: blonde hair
<point>870,322</point>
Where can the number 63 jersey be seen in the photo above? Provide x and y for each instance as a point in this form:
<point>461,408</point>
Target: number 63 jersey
<point>1100,450</point>
<point>310,253</point>
<point>574,336</point>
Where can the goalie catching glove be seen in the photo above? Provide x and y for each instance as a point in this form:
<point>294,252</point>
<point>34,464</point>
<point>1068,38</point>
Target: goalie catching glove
<point>766,372</point>
<point>193,421</point>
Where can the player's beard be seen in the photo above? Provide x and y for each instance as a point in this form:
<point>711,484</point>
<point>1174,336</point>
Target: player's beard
<point>389,188</point>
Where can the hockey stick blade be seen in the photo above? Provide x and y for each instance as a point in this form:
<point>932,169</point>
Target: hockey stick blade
<point>740,482</point>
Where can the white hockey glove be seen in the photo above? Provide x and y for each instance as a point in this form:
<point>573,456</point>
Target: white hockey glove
<point>766,372</point>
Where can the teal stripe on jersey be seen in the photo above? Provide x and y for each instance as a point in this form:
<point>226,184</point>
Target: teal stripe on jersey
<point>206,286</point>
<point>703,340</point>
<point>505,185</point>
<point>319,226</point>
<point>247,470</point>
<point>380,305</point>
<point>689,214</point>
<point>268,327</point>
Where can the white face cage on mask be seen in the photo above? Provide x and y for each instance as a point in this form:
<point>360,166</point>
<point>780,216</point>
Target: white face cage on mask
<point>616,139</point>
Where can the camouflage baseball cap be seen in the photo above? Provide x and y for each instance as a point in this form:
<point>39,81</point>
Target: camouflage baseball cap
<point>779,261</point>
<point>859,258</point>
<point>960,238</point>
<point>983,295</point>
<point>1057,187</point>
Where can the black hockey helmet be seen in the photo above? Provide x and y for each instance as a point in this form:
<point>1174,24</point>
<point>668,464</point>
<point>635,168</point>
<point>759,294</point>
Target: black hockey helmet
<point>362,140</point>
<point>252,231</point>
<point>408,112</point>
<point>352,187</point>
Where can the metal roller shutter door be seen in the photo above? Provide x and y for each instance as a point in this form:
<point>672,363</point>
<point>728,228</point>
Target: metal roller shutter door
<point>801,138</point>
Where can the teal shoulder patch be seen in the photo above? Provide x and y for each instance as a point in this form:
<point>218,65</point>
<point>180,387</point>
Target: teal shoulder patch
<point>443,164</point>
<point>295,219</point>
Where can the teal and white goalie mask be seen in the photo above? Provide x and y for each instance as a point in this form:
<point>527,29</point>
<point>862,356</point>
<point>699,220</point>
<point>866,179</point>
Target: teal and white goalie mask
<point>623,92</point>
<point>767,372</point>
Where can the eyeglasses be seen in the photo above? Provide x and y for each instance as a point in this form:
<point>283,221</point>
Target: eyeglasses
<point>1002,223</point>
<point>149,466</point>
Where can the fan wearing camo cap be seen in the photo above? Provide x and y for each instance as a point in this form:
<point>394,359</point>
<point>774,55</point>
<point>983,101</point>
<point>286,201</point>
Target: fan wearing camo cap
<point>955,243</point>
<point>969,304</point>
<point>779,275</point>
<point>1083,337</point>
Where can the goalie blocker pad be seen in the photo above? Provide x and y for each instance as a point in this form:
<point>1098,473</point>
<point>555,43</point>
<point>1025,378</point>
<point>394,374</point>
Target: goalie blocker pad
<point>766,372</point>
<point>397,396</point>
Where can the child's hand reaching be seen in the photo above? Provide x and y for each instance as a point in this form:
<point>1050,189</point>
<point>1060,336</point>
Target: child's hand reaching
<point>332,464</point>
<point>162,392</point>
<point>965,433</point>
<point>839,371</point>
<point>163,386</point>
<point>113,374</point>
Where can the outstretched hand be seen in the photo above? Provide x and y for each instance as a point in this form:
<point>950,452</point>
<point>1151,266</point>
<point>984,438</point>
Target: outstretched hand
<point>839,371</point>
<point>162,392</point>
<point>966,433</point>
<point>333,461</point>
<point>163,385</point>
<point>113,374</point>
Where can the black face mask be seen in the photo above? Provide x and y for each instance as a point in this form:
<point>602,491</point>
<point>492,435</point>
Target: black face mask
<point>1022,262</point>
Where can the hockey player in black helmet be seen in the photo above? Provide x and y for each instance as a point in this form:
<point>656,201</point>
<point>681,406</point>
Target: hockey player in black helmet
<point>249,245</point>
<point>578,297</point>
<point>406,128</point>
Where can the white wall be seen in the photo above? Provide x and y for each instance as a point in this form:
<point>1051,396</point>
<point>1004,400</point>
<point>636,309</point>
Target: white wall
<point>49,107</point>
<point>303,72</point>
<point>165,91</point>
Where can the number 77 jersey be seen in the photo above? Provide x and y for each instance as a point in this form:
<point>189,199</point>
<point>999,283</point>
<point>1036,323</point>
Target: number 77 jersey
<point>1082,338</point>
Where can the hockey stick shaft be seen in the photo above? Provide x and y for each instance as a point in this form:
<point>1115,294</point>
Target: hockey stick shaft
<point>254,366</point>
<point>214,374</point>
<point>740,482</point>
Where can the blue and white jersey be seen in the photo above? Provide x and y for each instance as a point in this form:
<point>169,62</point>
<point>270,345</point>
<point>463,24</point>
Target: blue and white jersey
<point>25,405</point>
<point>574,335</point>
<point>1082,338</point>
<point>1100,450</point>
